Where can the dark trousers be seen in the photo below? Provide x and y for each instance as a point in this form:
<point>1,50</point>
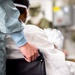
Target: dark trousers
<point>21,67</point>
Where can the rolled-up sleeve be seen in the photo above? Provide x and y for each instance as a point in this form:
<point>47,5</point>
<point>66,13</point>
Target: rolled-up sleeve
<point>19,38</point>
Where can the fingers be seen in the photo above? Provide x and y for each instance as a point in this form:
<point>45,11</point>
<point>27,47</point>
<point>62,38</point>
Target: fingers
<point>32,57</point>
<point>27,59</point>
<point>29,51</point>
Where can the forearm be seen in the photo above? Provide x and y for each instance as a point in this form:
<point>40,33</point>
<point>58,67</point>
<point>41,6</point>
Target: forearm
<point>19,38</point>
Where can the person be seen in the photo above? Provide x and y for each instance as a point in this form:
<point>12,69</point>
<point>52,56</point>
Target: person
<point>37,16</point>
<point>10,24</point>
<point>54,59</point>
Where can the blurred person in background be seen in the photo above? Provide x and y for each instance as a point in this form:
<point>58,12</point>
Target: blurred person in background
<point>37,16</point>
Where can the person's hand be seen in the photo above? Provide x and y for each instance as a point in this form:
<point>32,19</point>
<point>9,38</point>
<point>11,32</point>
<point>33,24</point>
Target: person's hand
<point>29,51</point>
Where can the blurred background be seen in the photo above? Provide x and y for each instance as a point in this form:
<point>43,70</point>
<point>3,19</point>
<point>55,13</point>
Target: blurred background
<point>59,14</point>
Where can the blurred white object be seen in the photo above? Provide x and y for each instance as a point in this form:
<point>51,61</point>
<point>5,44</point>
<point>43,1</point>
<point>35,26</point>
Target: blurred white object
<point>66,9</point>
<point>59,3</point>
<point>55,36</point>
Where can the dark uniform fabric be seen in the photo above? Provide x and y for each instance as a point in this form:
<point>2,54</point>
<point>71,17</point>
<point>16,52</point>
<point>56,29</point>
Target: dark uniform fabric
<point>21,67</point>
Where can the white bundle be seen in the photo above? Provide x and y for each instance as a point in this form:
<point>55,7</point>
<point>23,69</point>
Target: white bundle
<point>54,59</point>
<point>55,36</point>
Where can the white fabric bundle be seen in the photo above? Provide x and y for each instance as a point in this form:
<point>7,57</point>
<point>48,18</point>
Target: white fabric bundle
<point>55,36</point>
<point>54,59</point>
